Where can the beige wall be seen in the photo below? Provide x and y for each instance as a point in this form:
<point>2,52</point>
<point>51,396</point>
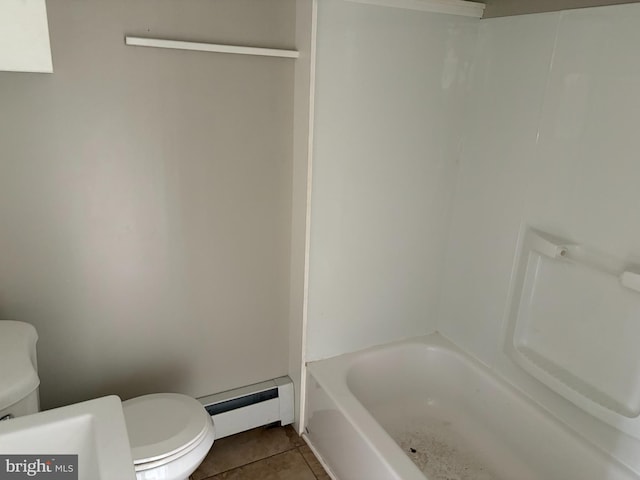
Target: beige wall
<point>145,199</point>
<point>502,8</point>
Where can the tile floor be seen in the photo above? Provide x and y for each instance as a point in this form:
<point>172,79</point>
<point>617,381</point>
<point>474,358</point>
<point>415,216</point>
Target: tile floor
<point>266,453</point>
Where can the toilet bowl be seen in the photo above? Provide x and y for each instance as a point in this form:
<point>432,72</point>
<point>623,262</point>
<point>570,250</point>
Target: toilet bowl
<point>169,433</point>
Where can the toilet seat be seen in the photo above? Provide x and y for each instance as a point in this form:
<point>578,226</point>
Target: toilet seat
<point>163,427</point>
<point>141,466</point>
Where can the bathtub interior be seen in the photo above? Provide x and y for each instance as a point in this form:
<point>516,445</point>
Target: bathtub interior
<point>434,412</point>
<point>448,414</point>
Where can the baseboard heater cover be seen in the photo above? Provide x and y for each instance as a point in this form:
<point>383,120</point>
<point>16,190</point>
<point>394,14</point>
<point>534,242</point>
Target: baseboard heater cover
<point>253,406</point>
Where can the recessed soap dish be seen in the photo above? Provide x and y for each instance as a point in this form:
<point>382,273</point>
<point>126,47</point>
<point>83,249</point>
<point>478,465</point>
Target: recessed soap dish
<point>574,328</point>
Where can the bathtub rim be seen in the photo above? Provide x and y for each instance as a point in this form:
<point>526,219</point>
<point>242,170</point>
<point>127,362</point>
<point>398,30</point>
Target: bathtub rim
<point>367,427</point>
<point>331,375</point>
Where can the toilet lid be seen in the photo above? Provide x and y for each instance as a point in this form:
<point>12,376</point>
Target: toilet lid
<point>162,424</point>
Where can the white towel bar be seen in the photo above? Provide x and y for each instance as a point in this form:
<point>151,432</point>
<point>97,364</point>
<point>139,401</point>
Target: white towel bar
<point>210,47</point>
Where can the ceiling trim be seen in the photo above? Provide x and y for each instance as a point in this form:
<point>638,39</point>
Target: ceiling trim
<point>450,7</point>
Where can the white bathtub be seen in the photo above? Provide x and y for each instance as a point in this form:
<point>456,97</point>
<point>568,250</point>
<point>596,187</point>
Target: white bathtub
<point>424,409</point>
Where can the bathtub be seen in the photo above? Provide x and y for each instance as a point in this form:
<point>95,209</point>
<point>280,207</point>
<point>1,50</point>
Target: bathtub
<point>424,409</point>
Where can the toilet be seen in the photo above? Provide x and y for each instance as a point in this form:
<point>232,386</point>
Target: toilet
<point>169,433</point>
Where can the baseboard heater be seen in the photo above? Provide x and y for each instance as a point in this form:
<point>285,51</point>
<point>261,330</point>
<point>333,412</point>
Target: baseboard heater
<point>253,406</point>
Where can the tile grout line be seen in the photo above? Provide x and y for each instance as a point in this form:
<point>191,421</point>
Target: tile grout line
<point>308,464</point>
<point>256,461</point>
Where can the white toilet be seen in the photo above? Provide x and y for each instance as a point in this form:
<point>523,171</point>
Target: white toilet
<point>170,434</point>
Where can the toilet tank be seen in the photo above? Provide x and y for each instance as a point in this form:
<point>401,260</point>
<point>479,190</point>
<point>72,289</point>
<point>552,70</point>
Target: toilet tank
<point>19,379</point>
